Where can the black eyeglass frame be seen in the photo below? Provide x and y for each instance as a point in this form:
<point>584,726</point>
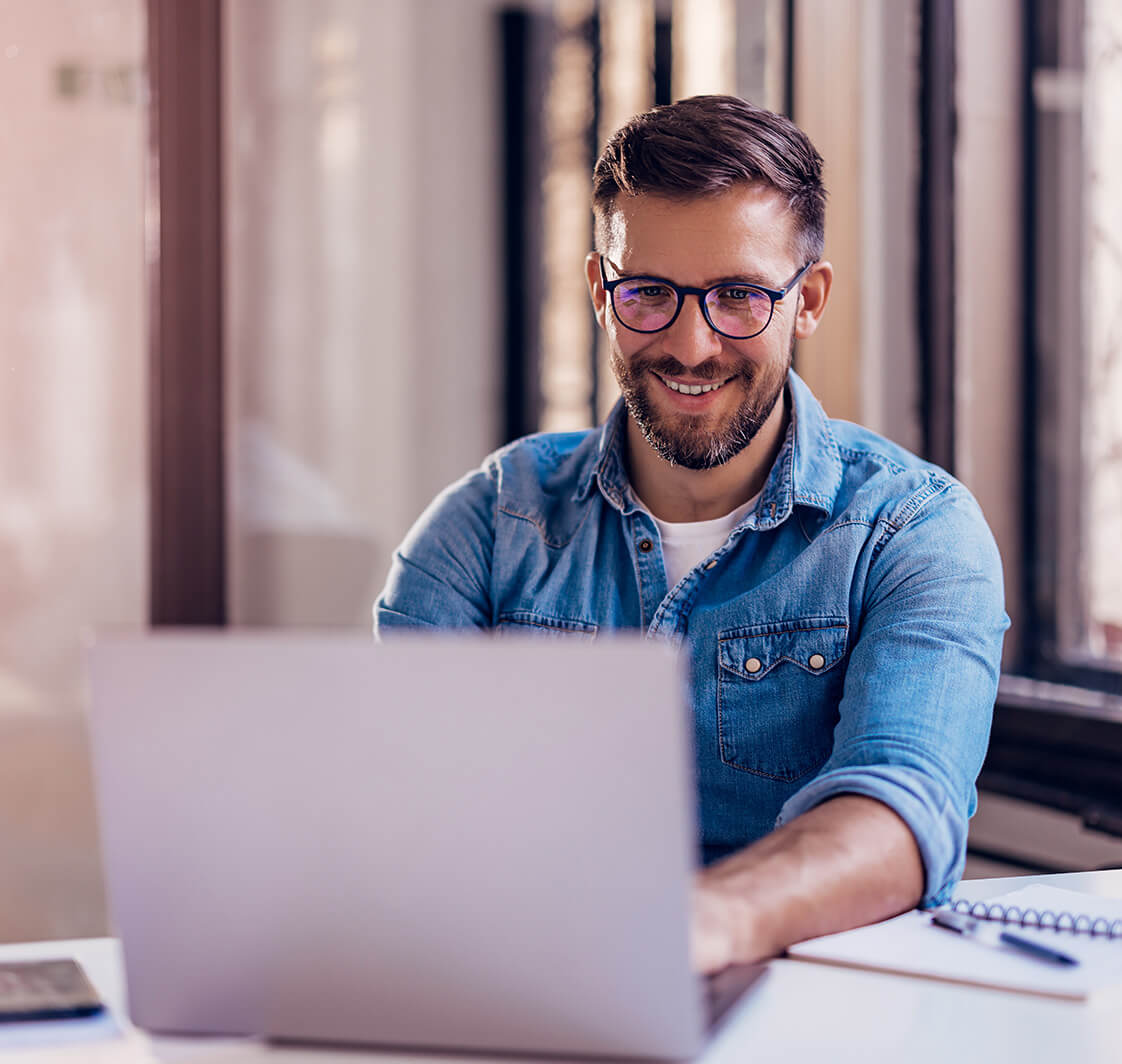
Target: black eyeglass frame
<point>775,295</point>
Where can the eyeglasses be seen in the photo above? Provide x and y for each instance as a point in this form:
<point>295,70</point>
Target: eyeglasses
<point>732,308</point>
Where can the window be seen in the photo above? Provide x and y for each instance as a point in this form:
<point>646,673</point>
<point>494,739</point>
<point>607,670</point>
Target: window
<point>1057,736</point>
<point>1074,321</point>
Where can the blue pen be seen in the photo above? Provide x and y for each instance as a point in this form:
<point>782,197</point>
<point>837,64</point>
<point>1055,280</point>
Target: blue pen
<point>967,925</point>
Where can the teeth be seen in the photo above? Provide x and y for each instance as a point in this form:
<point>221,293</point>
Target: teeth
<point>691,389</point>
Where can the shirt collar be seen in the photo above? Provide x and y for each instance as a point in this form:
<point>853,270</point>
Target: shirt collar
<point>807,471</point>
<point>608,465</point>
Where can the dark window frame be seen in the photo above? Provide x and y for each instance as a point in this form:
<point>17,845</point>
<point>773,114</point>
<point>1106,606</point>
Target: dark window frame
<point>935,294</point>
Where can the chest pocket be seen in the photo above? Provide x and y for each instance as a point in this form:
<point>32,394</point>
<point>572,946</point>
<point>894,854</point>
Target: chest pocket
<point>778,691</point>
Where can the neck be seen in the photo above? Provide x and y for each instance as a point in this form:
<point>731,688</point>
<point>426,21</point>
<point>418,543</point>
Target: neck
<point>677,494</point>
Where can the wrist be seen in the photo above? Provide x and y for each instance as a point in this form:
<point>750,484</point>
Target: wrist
<point>737,921</point>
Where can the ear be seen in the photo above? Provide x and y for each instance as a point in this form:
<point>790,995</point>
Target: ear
<point>595,286</point>
<point>814,292</point>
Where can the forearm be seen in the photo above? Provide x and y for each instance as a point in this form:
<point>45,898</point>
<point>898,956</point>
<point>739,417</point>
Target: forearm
<point>847,862</point>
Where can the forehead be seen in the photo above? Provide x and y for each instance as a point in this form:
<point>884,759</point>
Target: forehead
<point>744,230</point>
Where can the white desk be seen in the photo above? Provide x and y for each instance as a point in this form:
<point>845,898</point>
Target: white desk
<point>799,1012</point>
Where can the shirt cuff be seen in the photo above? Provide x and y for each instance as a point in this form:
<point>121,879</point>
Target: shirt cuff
<point>938,827</point>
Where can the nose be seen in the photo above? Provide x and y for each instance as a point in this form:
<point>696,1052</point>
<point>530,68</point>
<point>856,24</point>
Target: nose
<point>690,339</point>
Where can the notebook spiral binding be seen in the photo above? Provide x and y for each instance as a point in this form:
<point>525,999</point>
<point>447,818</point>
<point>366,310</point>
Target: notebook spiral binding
<point>1073,923</point>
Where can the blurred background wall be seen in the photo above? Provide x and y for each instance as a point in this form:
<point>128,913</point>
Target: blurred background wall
<point>73,458</point>
<point>399,195</point>
<point>361,162</point>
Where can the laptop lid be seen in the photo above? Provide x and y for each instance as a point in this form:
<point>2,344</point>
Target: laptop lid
<point>446,842</point>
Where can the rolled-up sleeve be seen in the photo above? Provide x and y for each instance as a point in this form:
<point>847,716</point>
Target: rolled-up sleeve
<point>915,716</point>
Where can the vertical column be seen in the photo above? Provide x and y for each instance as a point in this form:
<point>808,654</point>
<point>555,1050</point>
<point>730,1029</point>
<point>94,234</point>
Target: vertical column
<point>704,47</point>
<point>828,106</point>
<point>566,321</point>
<point>627,43</point>
<point>980,380</point>
<point>188,566</point>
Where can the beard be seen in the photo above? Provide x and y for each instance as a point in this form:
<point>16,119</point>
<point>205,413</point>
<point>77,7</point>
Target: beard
<point>701,441</point>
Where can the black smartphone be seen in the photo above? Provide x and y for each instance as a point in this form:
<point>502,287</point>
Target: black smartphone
<point>46,990</point>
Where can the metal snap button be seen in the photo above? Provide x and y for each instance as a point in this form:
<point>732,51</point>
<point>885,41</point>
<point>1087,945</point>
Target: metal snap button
<point>646,546</point>
<point>753,665</point>
<point>816,661</point>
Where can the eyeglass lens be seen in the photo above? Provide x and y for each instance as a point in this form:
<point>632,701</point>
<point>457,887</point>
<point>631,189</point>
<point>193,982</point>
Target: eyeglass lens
<point>648,305</point>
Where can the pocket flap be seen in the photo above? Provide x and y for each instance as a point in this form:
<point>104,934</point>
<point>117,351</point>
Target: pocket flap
<point>814,644</point>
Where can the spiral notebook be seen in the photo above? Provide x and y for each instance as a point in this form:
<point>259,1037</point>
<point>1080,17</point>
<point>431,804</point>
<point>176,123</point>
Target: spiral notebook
<point>1082,925</point>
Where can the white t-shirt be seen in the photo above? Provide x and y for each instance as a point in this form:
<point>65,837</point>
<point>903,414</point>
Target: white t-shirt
<point>685,543</point>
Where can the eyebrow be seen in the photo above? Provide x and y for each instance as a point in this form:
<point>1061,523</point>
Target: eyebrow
<point>739,278</point>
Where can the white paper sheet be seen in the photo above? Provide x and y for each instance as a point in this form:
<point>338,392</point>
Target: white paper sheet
<point>909,944</point>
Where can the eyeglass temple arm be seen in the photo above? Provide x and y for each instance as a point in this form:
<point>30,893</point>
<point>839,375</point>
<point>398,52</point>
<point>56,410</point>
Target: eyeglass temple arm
<point>791,283</point>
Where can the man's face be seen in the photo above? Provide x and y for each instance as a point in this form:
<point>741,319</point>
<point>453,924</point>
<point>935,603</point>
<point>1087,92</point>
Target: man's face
<point>743,234</point>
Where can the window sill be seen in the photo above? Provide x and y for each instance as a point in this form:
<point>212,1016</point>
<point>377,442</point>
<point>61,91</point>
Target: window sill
<point>1059,747</point>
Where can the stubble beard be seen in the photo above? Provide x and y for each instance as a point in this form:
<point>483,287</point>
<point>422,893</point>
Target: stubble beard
<point>694,441</point>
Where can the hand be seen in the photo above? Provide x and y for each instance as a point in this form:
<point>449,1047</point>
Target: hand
<point>711,944</point>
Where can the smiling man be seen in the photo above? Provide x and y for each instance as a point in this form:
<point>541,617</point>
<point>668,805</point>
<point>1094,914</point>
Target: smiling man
<point>839,600</point>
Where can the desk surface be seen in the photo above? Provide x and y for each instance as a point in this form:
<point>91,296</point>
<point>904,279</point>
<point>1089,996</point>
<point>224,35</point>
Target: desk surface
<point>799,1012</point>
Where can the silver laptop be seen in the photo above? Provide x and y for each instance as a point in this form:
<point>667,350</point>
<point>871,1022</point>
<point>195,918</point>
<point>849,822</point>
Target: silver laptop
<point>445,842</point>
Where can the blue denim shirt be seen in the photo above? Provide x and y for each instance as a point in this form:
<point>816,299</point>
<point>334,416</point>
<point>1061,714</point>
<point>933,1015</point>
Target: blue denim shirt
<point>846,638</point>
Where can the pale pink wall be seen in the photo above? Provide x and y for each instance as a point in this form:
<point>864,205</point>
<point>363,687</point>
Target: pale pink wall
<point>72,360</point>
<point>73,491</point>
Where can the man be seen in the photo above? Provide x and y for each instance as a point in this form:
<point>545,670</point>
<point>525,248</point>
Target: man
<point>839,600</point>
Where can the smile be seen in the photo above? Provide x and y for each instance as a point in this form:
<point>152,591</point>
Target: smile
<point>691,389</point>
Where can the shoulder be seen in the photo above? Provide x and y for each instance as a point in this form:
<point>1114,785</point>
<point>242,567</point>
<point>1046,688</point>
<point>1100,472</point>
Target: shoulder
<point>534,474</point>
<point>920,549</point>
<point>547,459</point>
<point>883,482</point>
<point>528,466</point>
<point>850,474</point>
<point>532,477</point>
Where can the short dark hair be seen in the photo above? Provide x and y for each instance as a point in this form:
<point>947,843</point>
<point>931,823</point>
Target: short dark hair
<point>705,144</point>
